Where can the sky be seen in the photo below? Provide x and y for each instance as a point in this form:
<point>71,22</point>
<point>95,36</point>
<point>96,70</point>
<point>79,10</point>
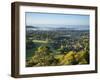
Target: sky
<point>56,19</point>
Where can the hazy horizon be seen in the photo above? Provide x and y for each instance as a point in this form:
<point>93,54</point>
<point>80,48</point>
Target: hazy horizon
<point>58,27</point>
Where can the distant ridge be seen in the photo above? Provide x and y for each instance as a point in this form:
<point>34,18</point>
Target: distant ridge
<point>58,27</point>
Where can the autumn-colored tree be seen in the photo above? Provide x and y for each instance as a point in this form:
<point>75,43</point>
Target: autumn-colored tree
<point>81,57</point>
<point>69,59</point>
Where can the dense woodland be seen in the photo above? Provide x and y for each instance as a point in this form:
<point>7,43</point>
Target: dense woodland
<point>57,47</point>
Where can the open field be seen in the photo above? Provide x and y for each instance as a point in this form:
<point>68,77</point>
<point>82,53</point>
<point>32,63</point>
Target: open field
<point>39,41</point>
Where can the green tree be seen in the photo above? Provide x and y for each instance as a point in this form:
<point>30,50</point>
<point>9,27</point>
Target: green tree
<point>42,57</point>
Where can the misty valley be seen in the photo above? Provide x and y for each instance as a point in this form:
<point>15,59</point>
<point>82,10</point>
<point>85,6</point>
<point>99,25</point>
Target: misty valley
<point>56,46</point>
